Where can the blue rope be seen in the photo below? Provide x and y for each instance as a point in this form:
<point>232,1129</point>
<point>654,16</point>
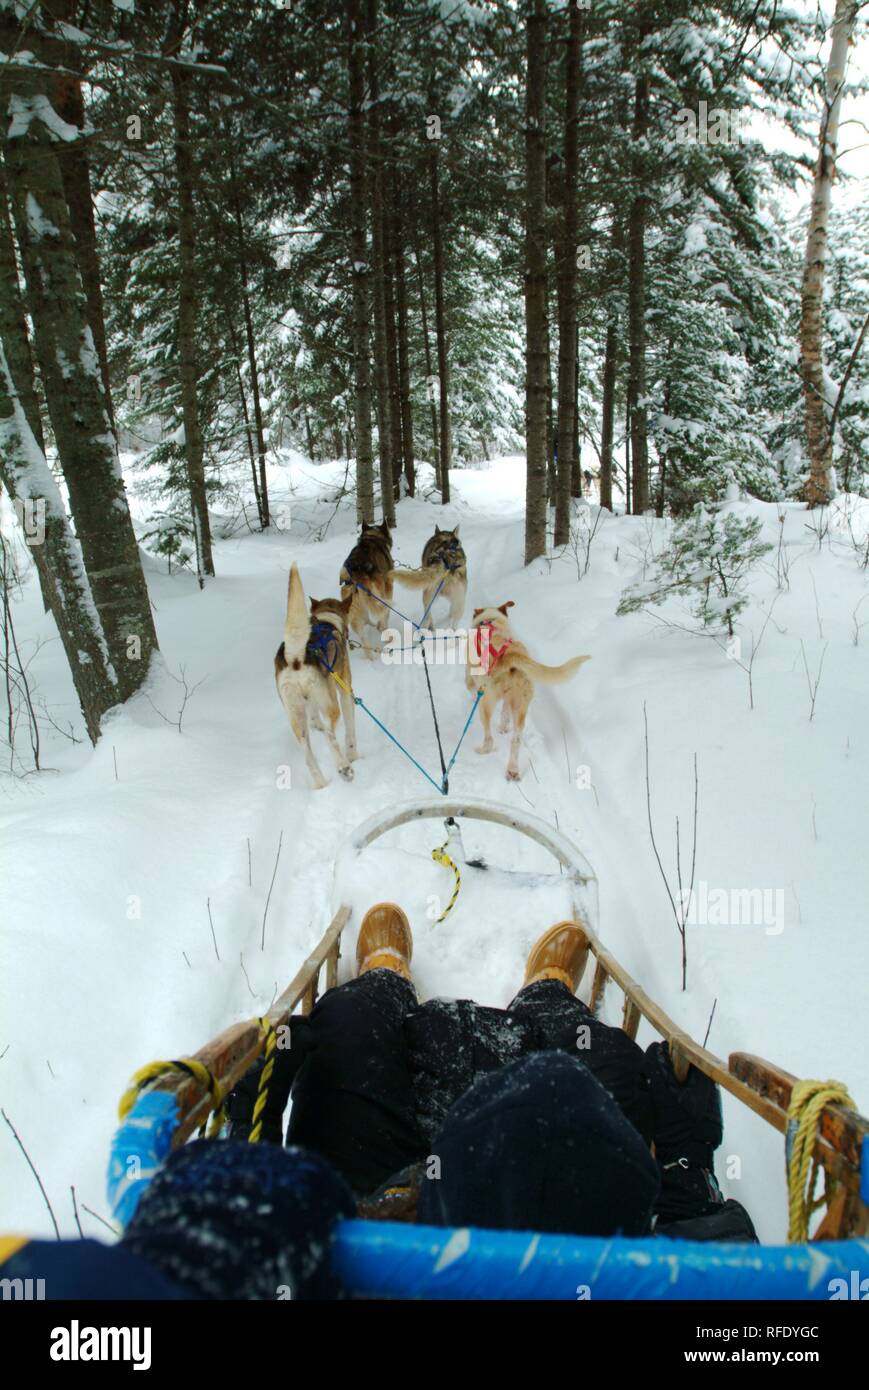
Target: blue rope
<point>378,599</point>
<point>433,597</point>
<point>443,786</point>
<point>381,725</point>
<point>468,722</point>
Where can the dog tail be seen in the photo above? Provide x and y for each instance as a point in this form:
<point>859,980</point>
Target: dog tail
<point>297,627</point>
<point>416,579</point>
<point>551,675</point>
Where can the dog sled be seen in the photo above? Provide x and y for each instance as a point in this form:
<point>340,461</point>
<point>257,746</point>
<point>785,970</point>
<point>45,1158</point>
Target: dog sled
<point>169,1101</point>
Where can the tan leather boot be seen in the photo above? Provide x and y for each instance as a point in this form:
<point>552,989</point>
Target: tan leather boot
<point>385,941</point>
<point>560,954</point>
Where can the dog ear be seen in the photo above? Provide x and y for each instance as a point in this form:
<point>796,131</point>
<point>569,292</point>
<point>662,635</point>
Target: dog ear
<point>478,611</point>
<point>455,530</point>
<point>502,607</point>
<point>384,527</point>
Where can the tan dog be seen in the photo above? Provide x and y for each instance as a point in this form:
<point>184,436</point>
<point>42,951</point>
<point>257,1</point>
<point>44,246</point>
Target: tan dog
<point>312,646</point>
<point>366,576</point>
<point>502,663</point>
<point>444,571</point>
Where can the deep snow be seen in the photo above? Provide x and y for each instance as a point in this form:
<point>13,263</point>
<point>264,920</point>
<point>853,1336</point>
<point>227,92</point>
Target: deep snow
<point>110,858</point>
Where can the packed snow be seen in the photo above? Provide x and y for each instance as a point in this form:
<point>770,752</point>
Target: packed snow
<point>117,862</point>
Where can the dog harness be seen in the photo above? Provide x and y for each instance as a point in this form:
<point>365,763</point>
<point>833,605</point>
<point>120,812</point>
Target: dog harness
<point>445,554</point>
<point>493,654</point>
<point>323,646</point>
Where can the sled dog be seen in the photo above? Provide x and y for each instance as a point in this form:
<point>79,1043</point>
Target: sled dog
<point>314,645</point>
<point>508,673</point>
<point>444,570</point>
<point>366,576</point>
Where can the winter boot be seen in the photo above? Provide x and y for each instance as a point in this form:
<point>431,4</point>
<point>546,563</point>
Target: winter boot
<point>560,954</point>
<point>385,941</point>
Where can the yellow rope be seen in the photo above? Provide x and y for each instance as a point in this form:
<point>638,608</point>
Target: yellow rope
<point>443,858</point>
<point>184,1066</point>
<point>343,684</point>
<point>262,1094</point>
<point>808,1100</point>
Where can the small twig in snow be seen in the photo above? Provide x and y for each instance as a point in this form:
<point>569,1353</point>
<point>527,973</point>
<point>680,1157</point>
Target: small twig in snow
<point>709,1024</point>
<point>211,922</point>
<point>271,886</point>
<point>75,1213</point>
<point>33,1171</point>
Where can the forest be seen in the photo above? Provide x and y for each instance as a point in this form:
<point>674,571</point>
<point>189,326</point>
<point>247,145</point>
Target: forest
<point>385,383</point>
<point>410,232</point>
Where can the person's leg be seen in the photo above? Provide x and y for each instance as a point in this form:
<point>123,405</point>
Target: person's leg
<point>540,1146</point>
<point>547,1003</point>
<point>562,1022</point>
<point>352,1099</point>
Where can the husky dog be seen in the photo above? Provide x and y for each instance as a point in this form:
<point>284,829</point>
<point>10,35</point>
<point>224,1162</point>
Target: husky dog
<point>313,647</point>
<point>509,674</point>
<point>444,571</point>
<point>366,576</point>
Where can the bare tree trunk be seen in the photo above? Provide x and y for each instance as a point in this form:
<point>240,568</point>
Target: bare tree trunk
<point>378,279</point>
<point>73,386</point>
<point>535,282</point>
<point>248,432</point>
<point>69,104</point>
<point>389,304</point>
<point>629,471</point>
<point>403,344</point>
<point>187,346</point>
<point>576,470</point>
<point>566,280</point>
<point>27,478</point>
<point>426,342</point>
<point>263,490</point>
<point>361,271</point>
<point>441,332</point>
<point>551,441</point>
<point>13,323</point>
<point>820,486</point>
<point>610,365</point>
<point>637,303</point>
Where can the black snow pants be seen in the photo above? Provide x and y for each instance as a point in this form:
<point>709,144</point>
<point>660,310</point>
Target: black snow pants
<point>384,1070</point>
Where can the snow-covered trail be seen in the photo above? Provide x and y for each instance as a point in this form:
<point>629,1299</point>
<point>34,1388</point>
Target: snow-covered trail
<point>112,862</point>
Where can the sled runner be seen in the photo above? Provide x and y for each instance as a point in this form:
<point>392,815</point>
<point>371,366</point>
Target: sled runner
<point>168,1101</point>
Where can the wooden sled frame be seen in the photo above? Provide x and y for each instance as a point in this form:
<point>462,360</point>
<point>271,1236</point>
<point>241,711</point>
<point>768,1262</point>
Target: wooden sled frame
<point>763,1087</point>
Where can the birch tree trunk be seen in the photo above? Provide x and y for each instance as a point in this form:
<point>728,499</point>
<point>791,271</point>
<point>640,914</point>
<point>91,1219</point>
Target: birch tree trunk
<point>535,283</point>
<point>820,485</point>
<point>361,272</point>
<point>566,282</point>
